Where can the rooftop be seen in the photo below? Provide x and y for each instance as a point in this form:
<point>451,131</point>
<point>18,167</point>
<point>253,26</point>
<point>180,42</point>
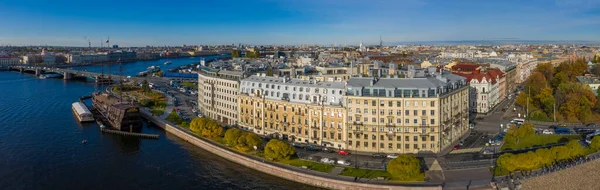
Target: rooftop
<point>295,82</point>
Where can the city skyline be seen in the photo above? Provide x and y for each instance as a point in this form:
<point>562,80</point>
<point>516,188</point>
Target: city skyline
<point>267,22</point>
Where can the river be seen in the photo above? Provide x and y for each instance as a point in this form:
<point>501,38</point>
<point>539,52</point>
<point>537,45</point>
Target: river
<point>41,146</point>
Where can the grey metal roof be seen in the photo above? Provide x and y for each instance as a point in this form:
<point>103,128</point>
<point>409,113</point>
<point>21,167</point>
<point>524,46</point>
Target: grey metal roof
<point>295,82</point>
<point>405,83</point>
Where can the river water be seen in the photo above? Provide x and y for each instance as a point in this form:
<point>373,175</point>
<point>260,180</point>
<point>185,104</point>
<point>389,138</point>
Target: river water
<point>40,146</point>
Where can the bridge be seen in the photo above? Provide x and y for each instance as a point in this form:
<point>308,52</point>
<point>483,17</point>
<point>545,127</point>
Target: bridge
<point>66,73</point>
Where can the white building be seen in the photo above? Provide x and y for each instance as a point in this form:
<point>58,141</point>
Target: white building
<point>88,58</point>
<point>6,60</point>
<point>217,94</point>
<point>31,59</point>
<point>484,93</point>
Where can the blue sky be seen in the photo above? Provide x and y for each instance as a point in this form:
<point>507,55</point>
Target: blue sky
<point>176,22</point>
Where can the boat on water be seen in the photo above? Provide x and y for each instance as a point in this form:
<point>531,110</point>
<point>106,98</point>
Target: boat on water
<point>46,76</point>
<point>123,116</point>
<point>81,112</point>
<point>153,69</point>
<point>168,63</point>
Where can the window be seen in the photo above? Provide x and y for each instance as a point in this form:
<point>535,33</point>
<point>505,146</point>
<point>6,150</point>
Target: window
<point>407,121</point>
<point>381,103</point>
<point>374,145</point>
<point>390,112</point>
<point>432,122</point>
<point>373,103</point>
<point>432,138</point>
<point>423,138</point>
<point>380,145</point>
<point>415,146</point>
<point>415,138</point>
<point>424,146</point>
<point>373,111</point>
<point>374,120</point>
<point>398,121</point>
<point>398,112</point>
<point>424,112</point>
<point>349,101</point>
<point>406,112</point>
<point>416,103</point>
<point>380,137</point>
<point>357,110</point>
<point>432,103</point>
<point>398,145</point>
<point>432,112</point>
<point>407,103</point>
<point>415,112</point>
<point>366,102</point>
<point>382,112</point>
<point>406,138</point>
<point>406,146</point>
<point>390,103</point>
<point>366,137</point>
<point>381,120</point>
<point>366,144</point>
<point>350,143</point>
<point>366,119</point>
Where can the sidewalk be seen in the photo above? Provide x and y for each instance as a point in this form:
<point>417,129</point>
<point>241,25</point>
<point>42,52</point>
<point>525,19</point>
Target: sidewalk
<point>169,107</point>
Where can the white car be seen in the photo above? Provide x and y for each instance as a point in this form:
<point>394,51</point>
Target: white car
<point>344,162</point>
<point>392,156</point>
<point>327,160</point>
<point>547,132</point>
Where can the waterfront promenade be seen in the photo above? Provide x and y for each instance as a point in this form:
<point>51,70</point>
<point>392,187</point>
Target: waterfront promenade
<point>288,172</point>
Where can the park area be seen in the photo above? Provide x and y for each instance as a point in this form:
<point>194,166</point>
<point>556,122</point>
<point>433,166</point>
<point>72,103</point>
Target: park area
<point>144,96</point>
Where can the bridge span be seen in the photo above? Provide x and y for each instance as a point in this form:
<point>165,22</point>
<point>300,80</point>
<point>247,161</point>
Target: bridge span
<point>67,73</point>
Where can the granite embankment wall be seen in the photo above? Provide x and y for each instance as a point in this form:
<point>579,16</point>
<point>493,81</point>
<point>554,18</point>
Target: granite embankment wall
<point>276,170</point>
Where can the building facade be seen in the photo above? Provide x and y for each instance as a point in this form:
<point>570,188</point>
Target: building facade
<point>217,94</point>
<point>297,110</point>
<point>406,115</point>
<point>6,61</point>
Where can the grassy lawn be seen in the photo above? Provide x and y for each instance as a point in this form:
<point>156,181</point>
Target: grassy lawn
<point>189,84</point>
<point>311,165</point>
<point>539,140</point>
<point>364,173</point>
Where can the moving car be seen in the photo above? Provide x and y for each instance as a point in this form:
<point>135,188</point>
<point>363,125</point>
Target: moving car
<point>547,132</point>
<point>327,160</point>
<point>456,147</point>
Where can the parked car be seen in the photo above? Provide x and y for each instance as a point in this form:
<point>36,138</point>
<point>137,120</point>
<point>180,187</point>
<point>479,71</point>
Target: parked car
<point>584,131</point>
<point>547,132</point>
<point>456,147</point>
<point>329,150</point>
<point>379,155</point>
<point>552,127</point>
<point>392,156</point>
<point>343,152</point>
<point>311,148</point>
<point>327,160</point>
<point>562,131</point>
<point>591,125</point>
<point>344,162</point>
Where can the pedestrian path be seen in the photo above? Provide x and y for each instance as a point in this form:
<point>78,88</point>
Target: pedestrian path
<point>169,107</point>
<point>336,171</point>
<point>466,150</point>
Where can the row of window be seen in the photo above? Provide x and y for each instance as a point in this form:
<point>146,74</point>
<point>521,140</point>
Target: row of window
<point>391,120</point>
<point>391,129</point>
<point>295,89</point>
<point>391,112</point>
<point>390,145</point>
<point>391,138</point>
<point>390,103</point>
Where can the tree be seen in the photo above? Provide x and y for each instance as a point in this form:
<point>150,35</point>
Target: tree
<point>522,99</point>
<point>546,99</point>
<point>546,69</point>
<point>247,141</point>
<point>232,135</point>
<point>558,79</point>
<point>235,53</point>
<point>197,124</point>
<point>406,168</point>
<point>595,143</point>
<point>145,86</point>
<point>212,129</point>
<point>278,150</point>
<point>536,82</point>
<point>546,156</point>
<point>575,148</point>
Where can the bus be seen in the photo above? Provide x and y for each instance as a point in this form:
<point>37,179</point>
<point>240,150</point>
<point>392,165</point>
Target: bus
<point>518,121</point>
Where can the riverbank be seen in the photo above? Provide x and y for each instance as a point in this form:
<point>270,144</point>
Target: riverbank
<point>290,173</point>
<point>585,176</point>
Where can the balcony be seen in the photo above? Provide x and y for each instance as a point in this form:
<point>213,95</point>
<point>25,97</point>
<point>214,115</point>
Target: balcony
<point>390,125</point>
<point>390,133</point>
<point>285,123</point>
<point>358,123</point>
<point>299,113</point>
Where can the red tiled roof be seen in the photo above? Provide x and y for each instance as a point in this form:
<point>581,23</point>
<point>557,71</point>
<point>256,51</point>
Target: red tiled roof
<point>465,67</point>
<point>479,77</point>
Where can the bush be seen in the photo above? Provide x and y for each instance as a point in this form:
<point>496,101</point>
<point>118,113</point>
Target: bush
<point>206,127</point>
<point>541,157</point>
<point>232,135</point>
<point>278,150</point>
<point>405,168</point>
<point>247,141</point>
<point>595,143</point>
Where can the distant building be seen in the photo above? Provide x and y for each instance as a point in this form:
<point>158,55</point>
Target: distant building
<point>31,59</point>
<point>6,60</point>
<point>592,82</point>
<point>124,56</point>
<point>488,85</point>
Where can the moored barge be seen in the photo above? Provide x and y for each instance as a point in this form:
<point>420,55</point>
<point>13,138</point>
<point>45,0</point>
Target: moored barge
<point>119,115</point>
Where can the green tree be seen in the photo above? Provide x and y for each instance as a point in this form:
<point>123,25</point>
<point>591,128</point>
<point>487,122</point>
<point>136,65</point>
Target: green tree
<point>507,161</point>
<point>235,53</point>
<point>232,135</point>
<point>546,69</point>
<point>546,99</point>
<point>405,167</point>
<point>145,86</point>
<point>278,150</point>
<point>595,143</point>
<point>536,82</point>
<point>197,124</point>
<point>247,141</point>
<point>558,79</point>
<point>575,148</point>
<point>546,156</point>
<point>560,153</point>
<point>522,99</point>
<point>212,129</point>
